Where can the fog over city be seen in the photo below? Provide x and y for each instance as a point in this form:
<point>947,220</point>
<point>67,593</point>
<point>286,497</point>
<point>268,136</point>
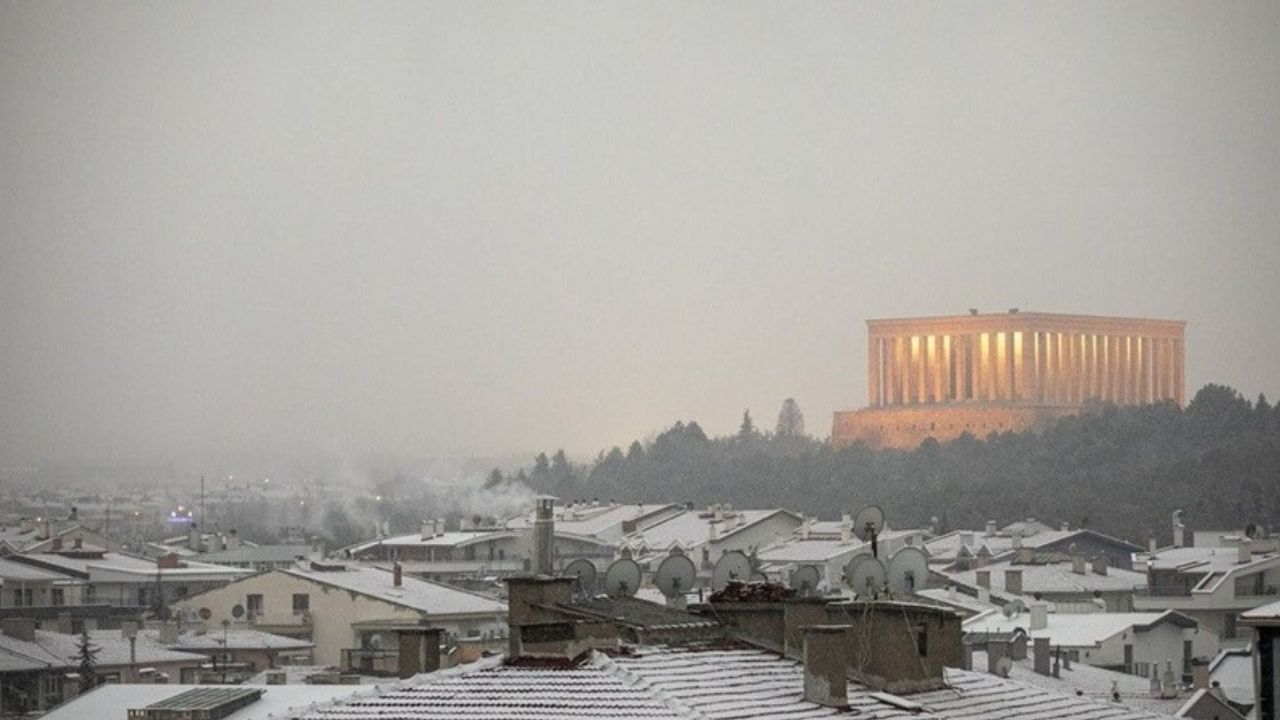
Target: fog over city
<point>237,230</point>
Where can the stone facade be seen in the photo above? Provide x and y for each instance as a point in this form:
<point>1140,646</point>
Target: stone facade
<point>943,376</point>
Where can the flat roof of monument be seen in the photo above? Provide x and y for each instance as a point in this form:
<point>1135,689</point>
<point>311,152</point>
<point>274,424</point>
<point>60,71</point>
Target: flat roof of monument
<point>1019,317</point>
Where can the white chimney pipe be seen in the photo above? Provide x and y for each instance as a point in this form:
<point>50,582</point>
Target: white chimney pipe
<point>1039,616</point>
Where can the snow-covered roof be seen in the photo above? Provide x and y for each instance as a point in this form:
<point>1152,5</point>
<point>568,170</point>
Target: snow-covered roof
<point>257,554</point>
<point>1210,559</point>
<point>691,529</point>
<point>51,649</point>
<point>89,565</point>
<point>1090,681</point>
<point>1057,578</point>
<point>17,572</point>
<point>421,595</point>
<point>231,639</point>
<point>704,682</point>
<point>956,599</point>
<point>1073,630</point>
<point>594,520</point>
<point>1232,668</point>
<point>113,702</point>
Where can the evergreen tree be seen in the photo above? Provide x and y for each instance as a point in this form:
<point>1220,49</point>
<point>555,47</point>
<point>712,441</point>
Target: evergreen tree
<point>87,662</point>
<point>790,419</point>
<point>494,480</point>
<point>747,430</point>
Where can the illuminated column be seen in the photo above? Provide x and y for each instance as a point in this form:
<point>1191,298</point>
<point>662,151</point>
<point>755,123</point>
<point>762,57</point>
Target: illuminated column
<point>922,369</point>
<point>948,370</point>
<point>1160,370</point>
<point>908,370</point>
<point>961,347</point>
<point>873,372</point>
<point>1073,367</point>
<point>938,368</point>
<point>1143,369</point>
<point>1131,365</point>
<point>1050,368</point>
<point>1122,370</point>
<point>1026,367</point>
<point>1179,373</point>
<point>1042,368</point>
<point>892,373</point>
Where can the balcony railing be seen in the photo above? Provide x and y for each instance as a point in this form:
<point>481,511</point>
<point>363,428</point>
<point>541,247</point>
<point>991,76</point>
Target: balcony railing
<point>367,661</point>
<point>281,619</point>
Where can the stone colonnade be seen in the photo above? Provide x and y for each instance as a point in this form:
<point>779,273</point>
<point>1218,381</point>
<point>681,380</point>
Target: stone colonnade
<point>1030,358</point>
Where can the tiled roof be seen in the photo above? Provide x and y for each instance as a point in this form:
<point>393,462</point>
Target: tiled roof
<point>1089,681</point>
<point>723,682</point>
<point>638,613</point>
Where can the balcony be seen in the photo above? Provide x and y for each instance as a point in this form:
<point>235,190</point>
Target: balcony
<point>281,621</point>
<point>367,661</point>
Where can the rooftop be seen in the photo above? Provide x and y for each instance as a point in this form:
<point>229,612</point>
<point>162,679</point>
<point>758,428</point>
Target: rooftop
<point>421,595</point>
<point>1057,578</point>
<point>112,702</point>
<point>1073,629</point>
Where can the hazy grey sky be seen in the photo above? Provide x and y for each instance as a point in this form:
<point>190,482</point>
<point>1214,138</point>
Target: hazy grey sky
<point>499,227</point>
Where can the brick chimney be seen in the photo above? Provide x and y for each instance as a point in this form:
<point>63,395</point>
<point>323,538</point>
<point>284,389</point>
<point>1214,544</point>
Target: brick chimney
<point>1042,659</point>
<point>57,545</point>
<point>168,561</point>
<point>1013,581</point>
<point>1100,564</point>
<point>527,602</point>
<point>996,650</point>
<point>825,676</point>
<point>419,651</point>
<point>77,543</point>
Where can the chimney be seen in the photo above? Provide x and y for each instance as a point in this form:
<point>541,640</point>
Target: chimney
<point>215,541</point>
<point>168,561</point>
<point>991,528</point>
<point>1013,581</point>
<point>804,529</point>
<point>995,651</point>
<point>1065,527</point>
<point>317,549</point>
<point>713,532</point>
<point>1152,546</point>
<point>19,629</point>
<point>717,513</point>
<point>233,539</point>
<point>419,651</point>
<point>1100,564</point>
<point>57,545</point>
<point>45,532</point>
<point>846,529</point>
<point>168,633</point>
<point>1077,563</point>
<point>1039,616</point>
<point>544,525</point>
<point>1015,540</point>
<point>77,543</point>
<point>1026,555</point>
<point>1179,530</point>
<point>1244,550</point>
<point>27,524</point>
<point>983,578</point>
<point>1018,647</point>
<point>528,603</point>
<point>825,678</point>
<point>193,538</point>
<point>397,575</point>
<point>1040,647</point>
<point>1200,673</point>
<point>428,529</point>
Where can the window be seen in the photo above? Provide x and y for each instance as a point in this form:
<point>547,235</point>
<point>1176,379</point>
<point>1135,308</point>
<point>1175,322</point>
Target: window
<point>301,603</point>
<point>90,594</point>
<point>22,597</point>
<point>57,598</point>
<point>253,604</point>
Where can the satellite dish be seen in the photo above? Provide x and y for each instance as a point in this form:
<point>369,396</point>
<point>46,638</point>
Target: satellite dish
<point>206,613</point>
<point>237,611</point>
<point>868,521</point>
<point>675,576</point>
<point>622,579</point>
<point>804,579</point>
<point>733,565</point>
<point>866,575</point>
<point>583,571</point>
<point>908,571</point>
<point>1014,608</point>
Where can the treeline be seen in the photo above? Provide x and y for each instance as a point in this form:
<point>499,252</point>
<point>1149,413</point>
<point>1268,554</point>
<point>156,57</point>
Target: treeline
<point>1122,471</point>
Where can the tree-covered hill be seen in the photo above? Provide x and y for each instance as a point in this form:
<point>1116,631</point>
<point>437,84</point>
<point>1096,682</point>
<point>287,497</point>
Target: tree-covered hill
<point>1122,471</point>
